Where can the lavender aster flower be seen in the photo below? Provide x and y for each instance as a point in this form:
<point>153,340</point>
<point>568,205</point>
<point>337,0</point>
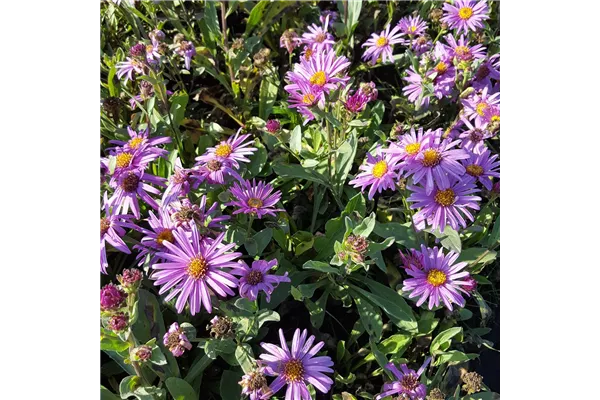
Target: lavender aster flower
<point>142,142</point>
<point>195,266</point>
<point>130,66</point>
<point>232,150</point>
<point>412,26</point>
<point>407,384</point>
<point>473,138</point>
<point>161,229</point>
<point>317,37</point>
<point>478,103</point>
<point>252,198</point>
<point>443,75</point>
<point>439,280</point>
<point>465,15</point>
<point>414,90</point>
<point>412,259</point>
<point>409,145</point>
<point>305,97</point>
<point>256,278</point>
<point>461,50</point>
<point>184,213</point>
<point>380,172</point>
<point>482,167</point>
<point>445,205</point>
<point>187,50</point>
<point>297,366</point>
<point>180,183</point>
<point>255,385</point>
<point>215,170</point>
<point>381,45</point>
<point>436,162</point>
<point>176,341</point>
<point>111,231</point>
<point>421,45</point>
<point>488,70</point>
<point>324,70</point>
<point>156,36</point>
<point>327,17</point>
<point>132,184</point>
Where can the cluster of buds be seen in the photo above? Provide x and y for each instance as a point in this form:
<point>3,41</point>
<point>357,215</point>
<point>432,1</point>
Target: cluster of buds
<point>112,301</point>
<point>130,279</point>
<point>221,327</point>
<point>436,394</point>
<point>354,248</point>
<point>237,44</point>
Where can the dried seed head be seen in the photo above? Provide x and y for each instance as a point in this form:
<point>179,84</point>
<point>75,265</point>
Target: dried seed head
<point>221,327</point>
<point>472,382</point>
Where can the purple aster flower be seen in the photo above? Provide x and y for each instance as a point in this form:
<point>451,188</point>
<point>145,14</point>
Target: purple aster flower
<point>492,114</point>
<point>184,213</point>
<point>461,49</point>
<point>381,45</point>
<point>412,259</point>
<point>327,17</point>
<point>273,126</point>
<point>193,267</point>
<point>317,37</point>
<point>289,40</point>
<point>380,172</point>
<point>176,341</point>
<point>414,90</point>
<point>421,45</point>
<point>439,280</point>
<point>111,297</point>
<point>488,70</point>
<point>255,385</point>
<point>407,384</point>
<point>305,97</point>
<point>141,141</point>
<point>477,104</point>
<point>252,198</point>
<point>443,75</point>
<point>409,145</point>
<point>482,167</point>
<point>156,36</point>
<point>187,50</point>
<point>146,92</point>
<point>445,205</point>
<point>232,150</point>
<point>132,184</point>
<point>130,66</point>
<point>111,231</point>
<point>161,229</point>
<point>324,70</point>
<point>180,183</point>
<point>436,162</point>
<point>297,366</point>
<point>356,102</point>
<point>256,278</point>
<point>474,136</point>
<point>215,170</point>
<point>412,26</point>
<point>465,15</point>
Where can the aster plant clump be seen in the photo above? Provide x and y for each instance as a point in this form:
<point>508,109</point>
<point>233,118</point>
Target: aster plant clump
<point>299,200</point>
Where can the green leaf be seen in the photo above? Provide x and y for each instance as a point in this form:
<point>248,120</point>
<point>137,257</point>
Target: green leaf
<point>199,365</point>
<point>354,7</point>
<point>244,355</point>
<point>474,253</point>
<point>229,387</point>
<point>321,266</point>
<point>317,309</point>
<point>380,358</point>
<point>212,32</point>
<point>443,340</point>
<point>179,102</point>
<point>370,318</point>
<point>180,389</point>
<point>269,87</point>
<point>297,171</point>
<point>244,304</point>
<point>344,158</point>
<point>261,240</point>
<point>112,343</point>
<point>266,316</point>
<point>450,239</point>
<point>395,344</point>
<point>106,394</point>
<point>303,241</point>
<point>453,357</point>
<point>402,233</point>
<point>296,139</point>
<point>366,226</point>
<point>393,304</point>
<point>255,16</point>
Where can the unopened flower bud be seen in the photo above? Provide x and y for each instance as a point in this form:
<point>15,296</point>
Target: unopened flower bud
<point>111,297</point>
<point>143,352</point>
<point>262,57</point>
<point>138,50</point>
<point>130,279</point>
<point>118,322</point>
<point>237,44</point>
<point>436,14</point>
<point>288,40</point>
<point>273,126</point>
<point>471,284</point>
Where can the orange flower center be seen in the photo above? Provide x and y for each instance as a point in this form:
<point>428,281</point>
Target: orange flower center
<point>254,202</point>
<point>412,149</point>
<point>382,41</point>
<point>165,234</point>
<point>308,98</point>
<point>136,142</point>
<point>474,170</point>
<point>431,158</point>
<point>197,267</point>
<point>308,54</point>
<point>441,68</point>
<point>223,150</point>
<point>462,51</point>
<point>445,197</point>
<point>293,370</point>
<point>123,159</point>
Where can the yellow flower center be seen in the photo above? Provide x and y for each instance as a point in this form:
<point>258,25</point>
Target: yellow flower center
<point>445,197</point>
<point>223,150</point>
<point>436,277</point>
<point>481,107</point>
<point>412,28</point>
<point>474,170</point>
<point>254,202</point>
<point>197,267</point>
<point>308,54</point>
<point>461,51</point>
<point>308,98</point>
<point>382,41</point>
<point>431,158</point>
<point>412,149</point>
<point>379,169</point>
<point>318,78</point>
<point>465,12</point>
<point>136,142</point>
<point>441,68</point>
<point>123,159</point>
<point>104,225</point>
<point>293,370</point>
<point>165,234</point>
<point>495,118</point>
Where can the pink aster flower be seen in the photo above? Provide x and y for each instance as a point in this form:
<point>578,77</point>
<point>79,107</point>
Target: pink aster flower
<point>304,97</point>
<point>482,167</point>
<point>440,280</point>
<point>161,229</point>
<point>193,267</point>
<point>112,297</point>
<point>409,145</point>
<point>252,198</point>
<point>324,70</point>
<point>131,185</point>
<point>142,142</point>
<point>465,15</point>
<point>256,278</point>
<point>415,89</point>
<point>461,50</point>
<point>477,104</point>
<point>443,75</point>
<point>381,45</point>
<point>215,170</point>
<point>111,231</point>
<point>231,150</point>
<point>273,126</point>
<point>176,341</point>
<point>317,37</point>
<point>412,26</point>
<point>180,183</point>
<point>407,383</point>
<point>380,172</point>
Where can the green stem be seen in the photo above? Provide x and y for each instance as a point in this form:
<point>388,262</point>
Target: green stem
<point>197,368</point>
<point>250,221</point>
